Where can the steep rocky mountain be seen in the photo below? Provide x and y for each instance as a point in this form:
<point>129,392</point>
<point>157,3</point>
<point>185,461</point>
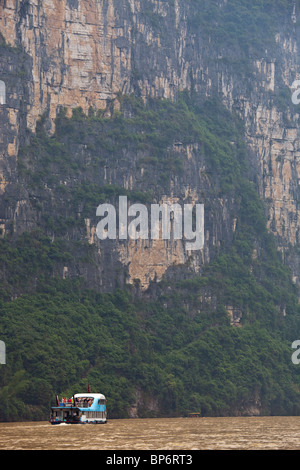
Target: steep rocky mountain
<point>83,54</point>
<point>188,102</point>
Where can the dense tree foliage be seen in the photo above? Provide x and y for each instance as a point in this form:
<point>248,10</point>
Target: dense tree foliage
<point>178,349</point>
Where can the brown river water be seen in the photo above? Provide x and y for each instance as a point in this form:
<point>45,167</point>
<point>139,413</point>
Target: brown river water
<point>251,433</point>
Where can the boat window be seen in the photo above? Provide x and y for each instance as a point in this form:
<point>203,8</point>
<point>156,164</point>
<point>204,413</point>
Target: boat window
<point>2,93</point>
<point>84,402</point>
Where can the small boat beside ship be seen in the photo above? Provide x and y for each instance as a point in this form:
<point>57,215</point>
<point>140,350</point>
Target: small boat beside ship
<point>82,408</point>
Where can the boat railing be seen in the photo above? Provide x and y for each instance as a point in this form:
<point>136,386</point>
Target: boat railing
<point>80,402</point>
<point>194,415</point>
<point>77,404</point>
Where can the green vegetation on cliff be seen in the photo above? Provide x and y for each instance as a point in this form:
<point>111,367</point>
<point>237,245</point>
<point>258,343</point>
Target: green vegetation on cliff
<point>175,344</point>
<point>249,27</point>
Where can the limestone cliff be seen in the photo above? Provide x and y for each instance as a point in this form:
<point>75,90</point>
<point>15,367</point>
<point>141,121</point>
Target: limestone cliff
<point>83,53</point>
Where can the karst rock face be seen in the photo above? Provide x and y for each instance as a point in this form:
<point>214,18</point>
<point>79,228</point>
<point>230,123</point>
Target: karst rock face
<point>81,53</point>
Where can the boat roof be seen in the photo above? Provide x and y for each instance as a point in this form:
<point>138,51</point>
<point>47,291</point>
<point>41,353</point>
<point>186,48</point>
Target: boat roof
<point>89,395</point>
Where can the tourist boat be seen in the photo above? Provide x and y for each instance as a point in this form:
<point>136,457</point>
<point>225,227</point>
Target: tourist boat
<point>82,408</point>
